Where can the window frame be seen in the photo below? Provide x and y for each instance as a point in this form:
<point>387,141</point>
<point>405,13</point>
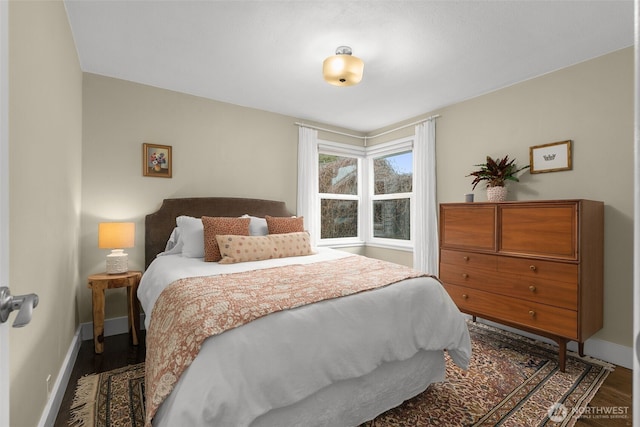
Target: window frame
<point>382,150</point>
<point>366,196</point>
<point>342,150</point>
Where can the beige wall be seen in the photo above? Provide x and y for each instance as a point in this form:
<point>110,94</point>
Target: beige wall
<point>45,125</point>
<point>591,104</point>
<point>218,149</point>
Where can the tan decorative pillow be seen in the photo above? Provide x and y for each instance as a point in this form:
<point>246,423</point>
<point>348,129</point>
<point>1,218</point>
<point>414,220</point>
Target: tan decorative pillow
<point>256,248</point>
<point>290,244</point>
<point>214,226</point>
<point>280,225</point>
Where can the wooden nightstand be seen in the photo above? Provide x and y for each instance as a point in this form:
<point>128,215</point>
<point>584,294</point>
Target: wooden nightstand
<point>98,283</point>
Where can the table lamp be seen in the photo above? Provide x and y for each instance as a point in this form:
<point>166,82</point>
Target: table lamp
<point>116,236</point>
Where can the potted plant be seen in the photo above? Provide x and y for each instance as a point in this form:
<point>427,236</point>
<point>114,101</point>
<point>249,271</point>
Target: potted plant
<point>496,172</point>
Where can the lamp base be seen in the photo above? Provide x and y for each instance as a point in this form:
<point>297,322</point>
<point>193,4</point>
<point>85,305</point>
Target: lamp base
<point>117,262</point>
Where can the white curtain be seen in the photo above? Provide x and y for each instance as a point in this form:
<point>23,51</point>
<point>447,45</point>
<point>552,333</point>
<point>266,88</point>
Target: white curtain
<point>307,203</point>
<point>425,230</point>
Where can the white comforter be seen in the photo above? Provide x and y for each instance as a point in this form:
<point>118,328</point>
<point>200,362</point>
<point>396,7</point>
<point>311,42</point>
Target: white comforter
<point>285,357</point>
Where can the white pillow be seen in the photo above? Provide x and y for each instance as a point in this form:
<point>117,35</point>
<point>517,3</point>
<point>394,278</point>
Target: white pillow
<point>257,225</point>
<point>191,233</point>
<point>174,244</point>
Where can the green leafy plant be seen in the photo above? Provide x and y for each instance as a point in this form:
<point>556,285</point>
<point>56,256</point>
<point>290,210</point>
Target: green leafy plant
<point>496,172</point>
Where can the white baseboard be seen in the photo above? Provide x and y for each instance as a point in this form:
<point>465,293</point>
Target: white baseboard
<point>115,326</point>
<point>50,412</point>
<point>594,347</point>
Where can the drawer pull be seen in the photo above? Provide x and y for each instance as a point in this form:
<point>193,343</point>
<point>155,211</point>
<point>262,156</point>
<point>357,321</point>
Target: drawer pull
<point>465,275</point>
<point>532,313</point>
<point>465,296</point>
<point>466,258</point>
<point>532,267</point>
<point>532,288</point>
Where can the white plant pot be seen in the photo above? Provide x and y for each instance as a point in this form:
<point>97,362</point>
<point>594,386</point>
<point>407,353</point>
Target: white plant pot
<point>496,194</point>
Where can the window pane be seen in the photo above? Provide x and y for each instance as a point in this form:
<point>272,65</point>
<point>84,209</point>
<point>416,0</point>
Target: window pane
<point>339,218</point>
<point>338,175</point>
<point>393,173</point>
<point>392,219</point>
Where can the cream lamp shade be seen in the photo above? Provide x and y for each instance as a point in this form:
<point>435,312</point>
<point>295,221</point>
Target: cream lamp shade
<point>116,236</point>
<point>343,69</point>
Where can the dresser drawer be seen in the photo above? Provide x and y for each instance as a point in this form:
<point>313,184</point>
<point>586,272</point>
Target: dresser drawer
<point>467,276</point>
<point>535,289</point>
<point>469,259</point>
<point>529,268</point>
<point>560,321</point>
<point>544,291</point>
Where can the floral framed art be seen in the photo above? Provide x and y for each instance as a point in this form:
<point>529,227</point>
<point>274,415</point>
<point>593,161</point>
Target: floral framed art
<point>156,160</point>
<point>550,157</point>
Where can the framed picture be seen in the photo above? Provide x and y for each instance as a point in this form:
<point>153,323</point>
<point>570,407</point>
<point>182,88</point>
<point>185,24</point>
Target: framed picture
<point>550,157</point>
<point>156,160</point>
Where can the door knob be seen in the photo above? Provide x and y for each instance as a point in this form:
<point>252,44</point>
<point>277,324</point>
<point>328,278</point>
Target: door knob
<point>24,303</point>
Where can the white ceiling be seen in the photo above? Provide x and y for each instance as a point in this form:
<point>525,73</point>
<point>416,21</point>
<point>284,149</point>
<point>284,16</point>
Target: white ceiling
<point>419,55</point>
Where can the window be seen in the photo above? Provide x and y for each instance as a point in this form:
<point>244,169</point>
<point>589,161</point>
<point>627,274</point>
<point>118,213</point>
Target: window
<point>365,194</point>
<point>339,196</point>
<point>391,195</point>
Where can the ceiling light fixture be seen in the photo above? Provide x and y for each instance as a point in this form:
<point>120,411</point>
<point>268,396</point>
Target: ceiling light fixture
<point>343,69</point>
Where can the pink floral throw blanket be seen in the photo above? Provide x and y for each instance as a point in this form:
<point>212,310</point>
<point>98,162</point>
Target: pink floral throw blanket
<point>192,309</point>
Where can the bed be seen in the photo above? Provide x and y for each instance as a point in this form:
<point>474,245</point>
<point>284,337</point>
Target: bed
<point>339,361</point>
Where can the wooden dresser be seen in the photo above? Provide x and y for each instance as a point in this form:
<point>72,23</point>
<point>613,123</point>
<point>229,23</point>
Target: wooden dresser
<point>536,266</point>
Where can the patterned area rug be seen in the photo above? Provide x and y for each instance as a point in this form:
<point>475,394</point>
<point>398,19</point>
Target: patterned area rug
<point>511,381</point>
<point>110,399</point>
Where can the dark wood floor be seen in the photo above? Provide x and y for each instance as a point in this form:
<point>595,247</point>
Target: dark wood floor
<point>118,352</point>
<point>615,392</point>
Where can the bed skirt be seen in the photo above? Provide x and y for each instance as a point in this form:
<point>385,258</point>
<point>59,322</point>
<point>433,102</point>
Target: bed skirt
<point>344,403</point>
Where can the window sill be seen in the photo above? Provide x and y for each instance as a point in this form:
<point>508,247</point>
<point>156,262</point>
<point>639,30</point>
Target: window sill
<point>402,248</point>
<point>350,244</point>
<point>405,248</point>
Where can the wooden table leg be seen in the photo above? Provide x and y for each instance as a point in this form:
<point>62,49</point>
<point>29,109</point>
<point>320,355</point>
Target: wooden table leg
<point>133,313</point>
<point>97,293</point>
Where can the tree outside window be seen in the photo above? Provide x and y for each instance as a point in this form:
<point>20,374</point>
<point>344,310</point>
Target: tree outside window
<point>338,184</point>
<point>393,186</point>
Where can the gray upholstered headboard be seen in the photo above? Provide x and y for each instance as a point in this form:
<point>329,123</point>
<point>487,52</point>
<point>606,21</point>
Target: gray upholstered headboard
<point>158,225</point>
